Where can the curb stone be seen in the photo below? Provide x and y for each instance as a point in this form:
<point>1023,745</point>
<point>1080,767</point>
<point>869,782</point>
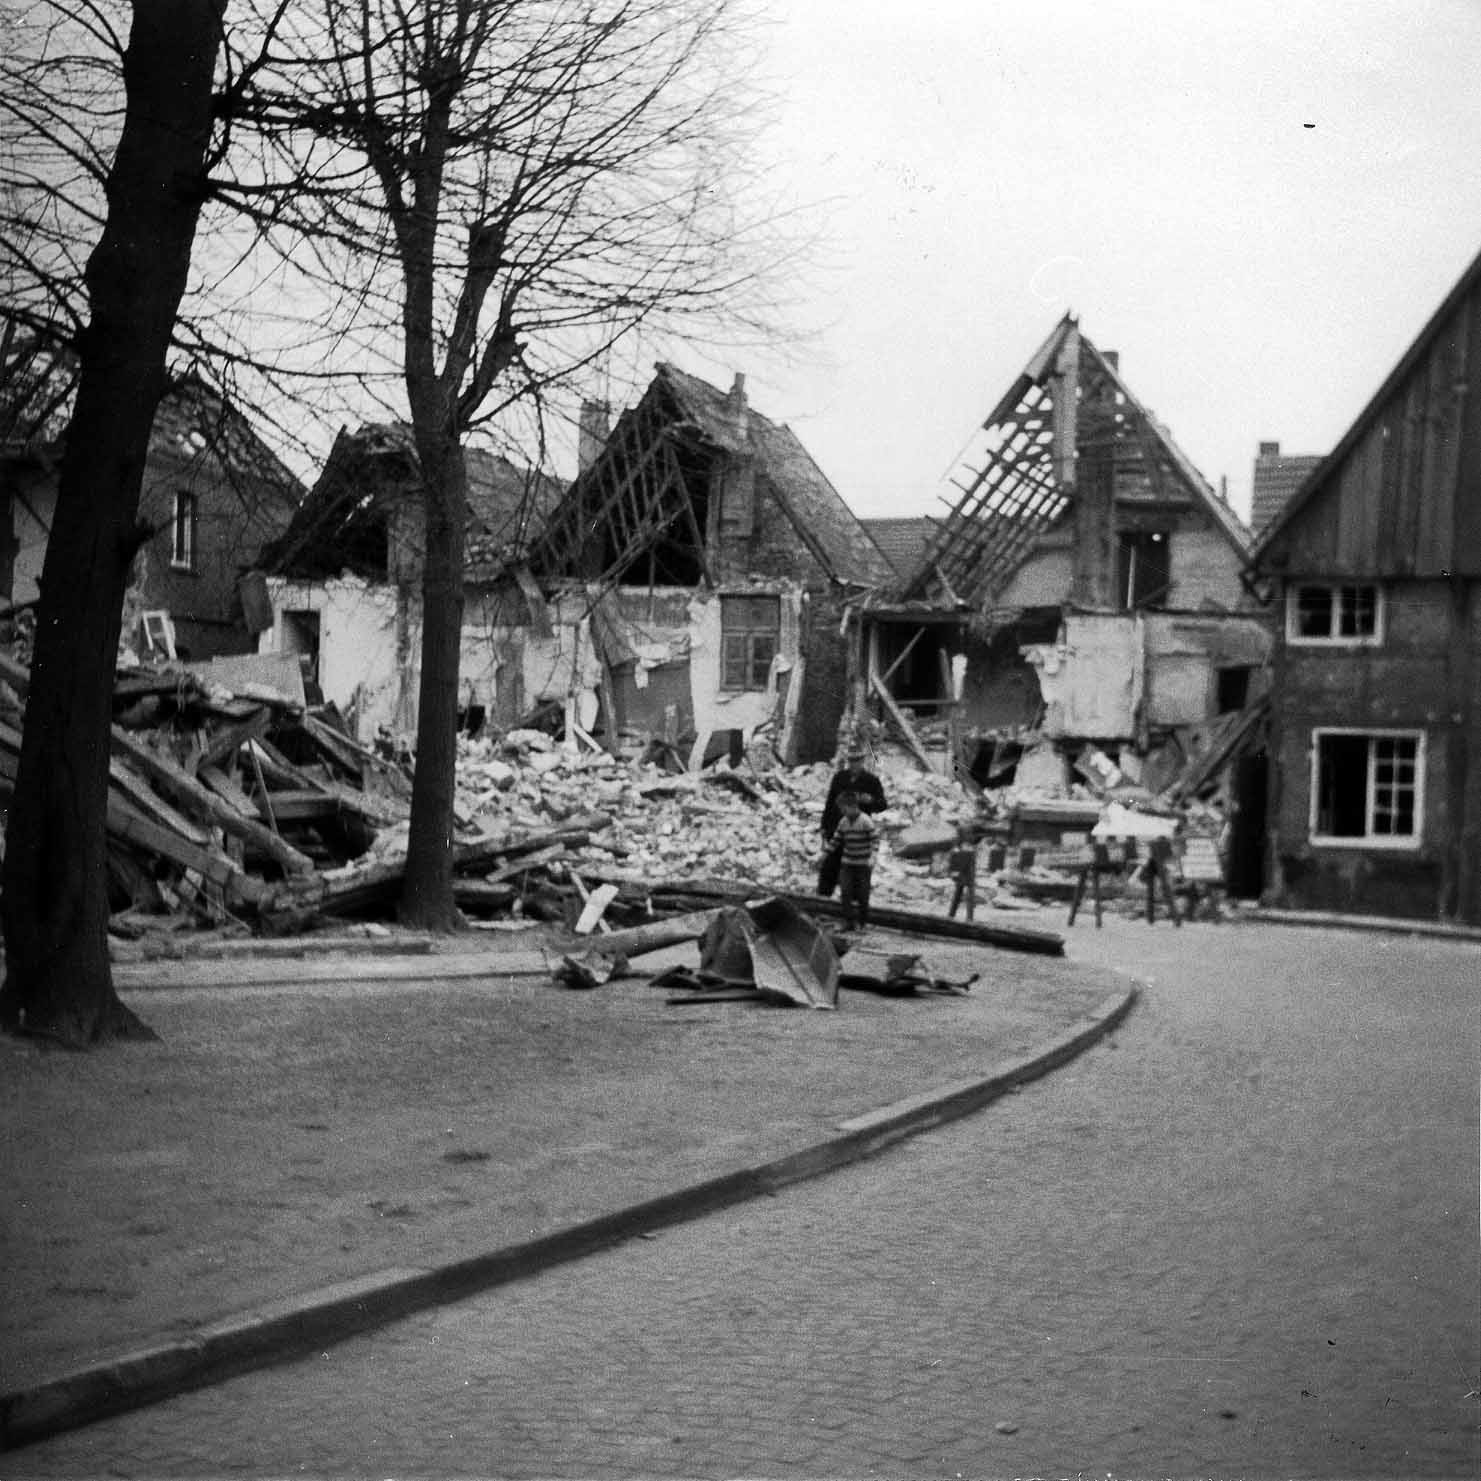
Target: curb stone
<point>281,1331</point>
<point>1335,920</point>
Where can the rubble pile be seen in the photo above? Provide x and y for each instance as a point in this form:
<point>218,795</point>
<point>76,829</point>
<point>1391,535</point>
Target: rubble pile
<point>240,806</point>
<point>217,795</point>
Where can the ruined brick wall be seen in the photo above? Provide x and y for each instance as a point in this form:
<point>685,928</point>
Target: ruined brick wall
<point>825,677</point>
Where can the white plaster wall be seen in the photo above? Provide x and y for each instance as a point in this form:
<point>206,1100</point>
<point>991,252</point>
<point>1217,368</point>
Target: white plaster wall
<point>357,643</point>
<point>715,709</point>
<point>1091,680</point>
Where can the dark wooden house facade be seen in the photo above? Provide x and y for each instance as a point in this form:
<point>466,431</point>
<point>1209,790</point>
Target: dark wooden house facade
<point>1375,570</point>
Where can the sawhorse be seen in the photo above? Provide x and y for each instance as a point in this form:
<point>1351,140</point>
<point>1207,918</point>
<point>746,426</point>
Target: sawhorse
<point>1156,870</point>
<point>1090,872</point>
<point>962,867</point>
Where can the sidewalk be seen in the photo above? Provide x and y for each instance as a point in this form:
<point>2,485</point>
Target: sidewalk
<point>289,1137</point>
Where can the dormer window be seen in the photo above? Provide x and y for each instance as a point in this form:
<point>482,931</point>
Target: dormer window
<point>1338,614</point>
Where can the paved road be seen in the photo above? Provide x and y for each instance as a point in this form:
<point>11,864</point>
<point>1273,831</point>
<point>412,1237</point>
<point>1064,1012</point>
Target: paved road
<point>1238,1240</point>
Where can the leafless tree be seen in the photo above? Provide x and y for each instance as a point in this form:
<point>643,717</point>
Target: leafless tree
<point>509,185</point>
<point>55,903</point>
<point>450,208</point>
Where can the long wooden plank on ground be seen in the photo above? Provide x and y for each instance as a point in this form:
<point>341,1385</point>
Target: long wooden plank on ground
<point>911,922</point>
<point>672,930</point>
<point>185,790</point>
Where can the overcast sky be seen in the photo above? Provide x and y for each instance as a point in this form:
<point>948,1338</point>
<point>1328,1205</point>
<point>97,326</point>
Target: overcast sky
<point>1258,204</point>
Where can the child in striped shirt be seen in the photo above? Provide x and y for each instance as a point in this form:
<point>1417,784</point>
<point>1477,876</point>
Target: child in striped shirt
<point>856,841</point>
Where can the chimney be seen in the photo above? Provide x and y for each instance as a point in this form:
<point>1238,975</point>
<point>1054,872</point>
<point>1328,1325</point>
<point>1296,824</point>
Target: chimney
<point>735,404</point>
<point>1270,449</point>
<point>596,423</point>
<point>1113,359</point>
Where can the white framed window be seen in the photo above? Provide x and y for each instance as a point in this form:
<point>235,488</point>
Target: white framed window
<point>182,545</point>
<point>1367,787</point>
<point>1340,614</point>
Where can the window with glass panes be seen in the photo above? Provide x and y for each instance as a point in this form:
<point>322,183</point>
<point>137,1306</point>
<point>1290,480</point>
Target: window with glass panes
<point>1320,612</point>
<point>750,630</point>
<point>1367,786</point>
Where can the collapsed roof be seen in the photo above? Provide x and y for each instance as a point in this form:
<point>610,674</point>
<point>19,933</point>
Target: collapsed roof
<point>690,463</point>
<point>1066,422</point>
<point>371,477</point>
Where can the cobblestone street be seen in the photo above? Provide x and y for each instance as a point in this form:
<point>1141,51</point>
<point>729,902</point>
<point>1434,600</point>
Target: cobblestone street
<point>1239,1239</point>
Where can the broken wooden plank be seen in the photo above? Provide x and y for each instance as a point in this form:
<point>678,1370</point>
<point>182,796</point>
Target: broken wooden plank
<point>481,896</point>
<point>186,790</point>
<point>300,806</point>
<point>153,806</point>
<point>902,723</point>
<point>227,788</point>
<point>594,908</point>
<point>228,739</point>
<point>17,675</point>
<point>537,860</point>
<point>573,833</point>
<point>125,822</point>
<point>655,935</point>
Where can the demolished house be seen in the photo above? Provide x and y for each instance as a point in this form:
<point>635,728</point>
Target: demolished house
<point>341,589</point>
<point>1374,568</point>
<point>1078,615</point>
<point>711,561</point>
<point>687,589</point>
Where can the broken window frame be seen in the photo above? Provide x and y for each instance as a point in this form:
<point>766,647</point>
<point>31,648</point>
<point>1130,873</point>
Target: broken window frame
<point>1134,591</point>
<point>1392,787</point>
<point>1355,613</point>
<point>183,531</point>
<point>748,647</point>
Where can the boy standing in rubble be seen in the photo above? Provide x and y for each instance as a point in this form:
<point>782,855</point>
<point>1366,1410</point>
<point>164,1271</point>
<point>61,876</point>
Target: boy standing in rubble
<point>852,777</point>
<point>854,843</point>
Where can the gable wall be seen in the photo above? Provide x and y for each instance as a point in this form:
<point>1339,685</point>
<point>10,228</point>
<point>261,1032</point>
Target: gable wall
<point>1205,568</point>
<point>233,521</point>
<point>1405,499</point>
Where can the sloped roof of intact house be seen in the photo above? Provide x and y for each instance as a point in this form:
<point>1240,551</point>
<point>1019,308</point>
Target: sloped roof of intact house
<point>193,424</point>
<point>1018,483</point>
<point>903,540</point>
<point>815,508</point>
<point>1399,495</point>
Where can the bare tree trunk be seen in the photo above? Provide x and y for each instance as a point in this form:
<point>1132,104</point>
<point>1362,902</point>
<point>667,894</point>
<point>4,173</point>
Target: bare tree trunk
<point>55,902</point>
<point>427,892</point>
